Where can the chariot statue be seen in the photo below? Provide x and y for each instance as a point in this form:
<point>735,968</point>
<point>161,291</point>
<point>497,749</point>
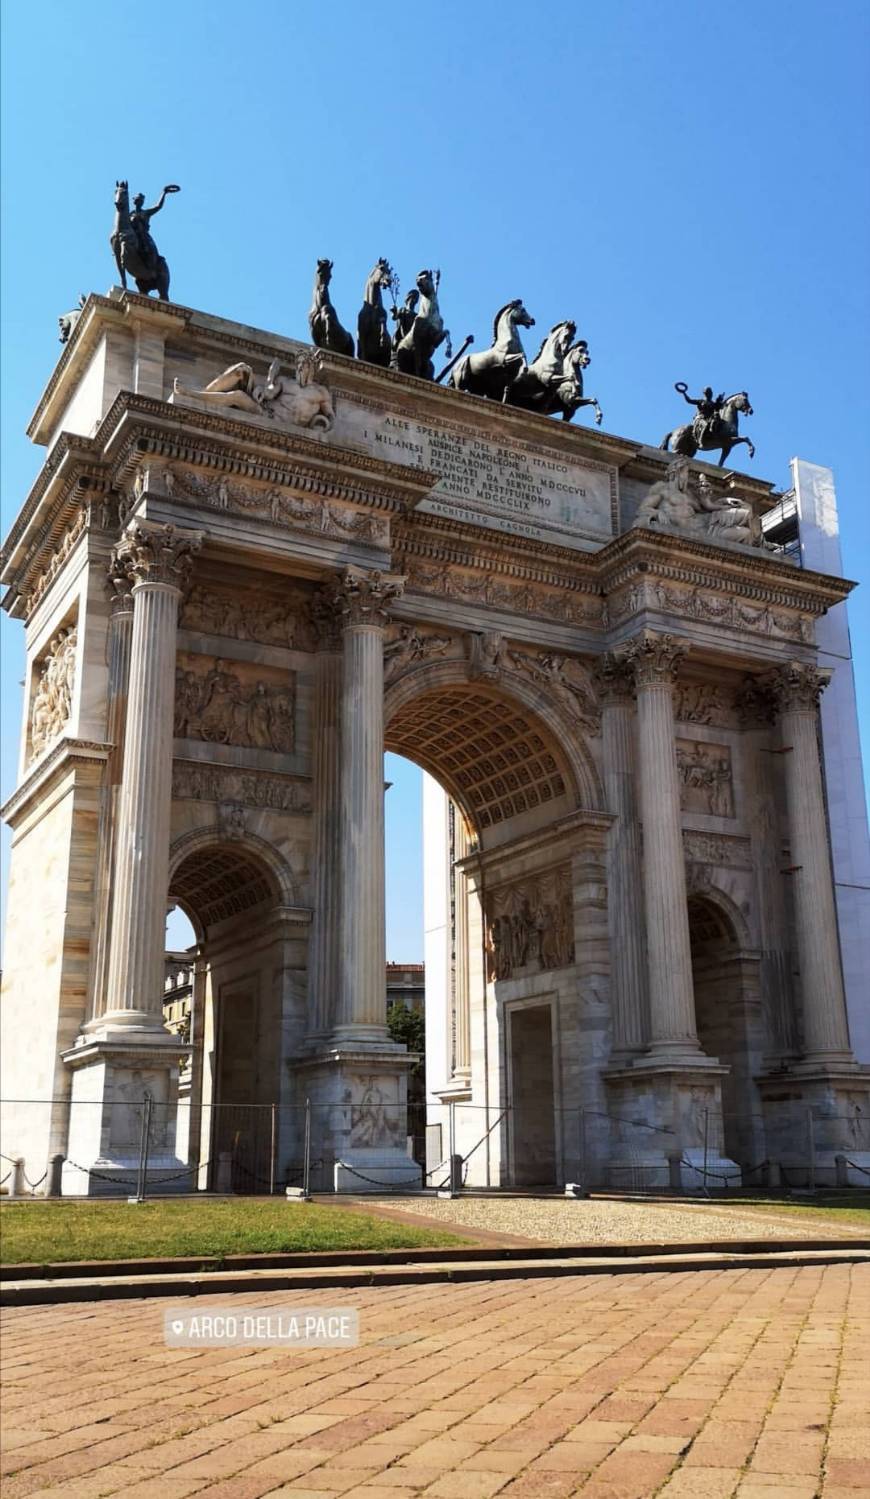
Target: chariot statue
<point>491,372</point>
<point>714,425</point>
<point>373,341</point>
<point>552,384</point>
<point>426,332</point>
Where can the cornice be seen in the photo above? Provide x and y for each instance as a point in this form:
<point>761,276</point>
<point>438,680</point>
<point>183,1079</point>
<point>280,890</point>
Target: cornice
<point>65,753</point>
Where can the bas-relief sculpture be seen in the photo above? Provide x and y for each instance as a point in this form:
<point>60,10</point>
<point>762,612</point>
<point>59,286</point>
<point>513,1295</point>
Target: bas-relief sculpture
<point>289,400</point>
<point>715,424</point>
<point>132,245</point>
<point>246,615</point>
<point>680,503</point>
<point>409,648</point>
<point>530,924</point>
<point>210,783</point>
<point>215,705</point>
<point>703,702</point>
<point>52,701</point>
<point>276,504</point>
<point>705,778</point>
<point>497,592</point>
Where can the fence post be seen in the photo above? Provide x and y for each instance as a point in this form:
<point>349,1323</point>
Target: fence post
<point>306,1159</point>
<point>18,1184</point>
<point>582,1143</point>
<point>272,1144</point>
<point>811,1159</point>
<point>706,1145</point>
<point>141,1177</point>
<point>55,1169</point>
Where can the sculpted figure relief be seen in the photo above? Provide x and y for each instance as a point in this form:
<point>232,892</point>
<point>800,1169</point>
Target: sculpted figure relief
<point>705,778</point>
<point>566,679</point>
<point>290,400</point>
<point>679,503</point>
<point>247,616</point>
<point>531,923</point>
<point>52,702</point>
<point>409,647</point>
<point>218,707</point>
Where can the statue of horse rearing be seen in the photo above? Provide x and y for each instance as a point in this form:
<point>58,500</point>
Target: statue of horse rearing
<point>702,435</point>
<point>492,371</point>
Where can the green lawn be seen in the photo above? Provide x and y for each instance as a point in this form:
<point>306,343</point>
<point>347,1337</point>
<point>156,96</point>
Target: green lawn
<point>52,1232</point>
<point>852,1207</point>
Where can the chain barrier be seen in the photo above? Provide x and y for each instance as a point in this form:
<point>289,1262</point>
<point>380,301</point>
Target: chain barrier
<point>386,1186</point>
<point>856,1167</point>
<point>8,1177</point>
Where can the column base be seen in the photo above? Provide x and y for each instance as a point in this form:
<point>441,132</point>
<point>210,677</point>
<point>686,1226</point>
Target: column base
<point>660,1113</point>
<point>358,1093</point>
<point>817,1123</point>
<point>111,1075</point>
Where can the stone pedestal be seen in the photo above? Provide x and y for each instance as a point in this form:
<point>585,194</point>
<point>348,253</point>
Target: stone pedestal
<point>660,1119</point>
<point>359,1118</point>
<point>125,1050</point>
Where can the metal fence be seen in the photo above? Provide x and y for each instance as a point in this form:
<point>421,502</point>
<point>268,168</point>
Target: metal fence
<point>143,1146</point>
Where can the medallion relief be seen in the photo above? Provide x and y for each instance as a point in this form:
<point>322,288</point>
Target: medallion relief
<point>218,705</point>
<point>531,924</point>
<point>705,778</point>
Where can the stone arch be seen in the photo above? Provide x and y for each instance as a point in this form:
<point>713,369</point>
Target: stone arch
<point>701,886</point>
<point>533,706</point>
<point>217,858</point>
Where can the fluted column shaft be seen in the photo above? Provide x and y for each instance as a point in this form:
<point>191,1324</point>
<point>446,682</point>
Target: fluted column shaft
<point>327,831</point>
<point>625,897</point>
<point>361,600</point>
<point>120,637</point>
<point>159,558</point>
<point>797,688</point>
<point>461,994</point>
<point>669,956</point>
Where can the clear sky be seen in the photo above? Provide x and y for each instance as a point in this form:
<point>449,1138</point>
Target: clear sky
<point>688,182</point>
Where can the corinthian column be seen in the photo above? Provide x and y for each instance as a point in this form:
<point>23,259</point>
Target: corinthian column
<point>796,689</point>
<point>120,586</point>
<point>614,679</point>
<point>326,854</point>
<point>361,600</point>
<point>159,559</point>
<point>654,660</point>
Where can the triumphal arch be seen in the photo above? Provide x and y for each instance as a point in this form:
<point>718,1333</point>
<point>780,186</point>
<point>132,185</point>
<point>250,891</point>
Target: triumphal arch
<point>244,570</point>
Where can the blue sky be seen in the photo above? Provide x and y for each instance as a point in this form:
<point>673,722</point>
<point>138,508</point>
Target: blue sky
<point>689,183</point>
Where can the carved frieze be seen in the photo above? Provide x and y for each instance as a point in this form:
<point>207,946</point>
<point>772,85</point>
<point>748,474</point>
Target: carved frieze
<point>215,704</point>
<point>702,702</point>
<point>249,788</point>
<point>52,700</point>
<point>530,924</point>
<point>720,849</point>
<point>276,504</point>
<point>57,559</point>
<point>705,778</point>
<point>248,615</point>
<point>503,593</point>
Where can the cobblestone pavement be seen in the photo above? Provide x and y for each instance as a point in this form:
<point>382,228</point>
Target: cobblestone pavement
<point>558,1220</point>
<point>714,1383</point>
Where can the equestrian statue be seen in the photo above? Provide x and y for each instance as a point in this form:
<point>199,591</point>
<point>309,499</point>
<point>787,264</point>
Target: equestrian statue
<point>326,330</point>
<point>132,246</point>
<point>714,425</point>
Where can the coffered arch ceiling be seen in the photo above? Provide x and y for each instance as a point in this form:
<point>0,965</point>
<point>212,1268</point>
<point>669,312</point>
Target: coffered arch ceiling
<point>493,756</point>
<point>221,880</point>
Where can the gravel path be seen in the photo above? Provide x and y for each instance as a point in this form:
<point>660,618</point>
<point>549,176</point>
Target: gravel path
<point>600,1221</point>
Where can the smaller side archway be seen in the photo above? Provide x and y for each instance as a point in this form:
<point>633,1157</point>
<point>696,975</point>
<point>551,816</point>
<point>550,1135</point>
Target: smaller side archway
<point>726,979</point>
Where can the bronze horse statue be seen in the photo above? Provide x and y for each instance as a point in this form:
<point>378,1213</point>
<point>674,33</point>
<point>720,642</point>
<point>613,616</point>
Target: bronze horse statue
<point>704,433</point>
<point>426,332</point>
<point>493,370</point>
<point>326,330</point>
<point>132,246</point>
<point>373,342</point>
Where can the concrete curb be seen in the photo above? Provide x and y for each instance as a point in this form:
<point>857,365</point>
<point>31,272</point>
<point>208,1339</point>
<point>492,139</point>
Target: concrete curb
<point>447,1271</point>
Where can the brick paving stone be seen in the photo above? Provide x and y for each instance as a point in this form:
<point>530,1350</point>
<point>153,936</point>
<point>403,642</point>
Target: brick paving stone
<point>609,1387</point>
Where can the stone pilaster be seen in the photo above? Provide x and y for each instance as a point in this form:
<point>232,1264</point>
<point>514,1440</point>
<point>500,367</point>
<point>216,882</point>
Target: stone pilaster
<point>326,856</point>
<point>361,601</point>
<point>614,679</point>
<point>654,660</point>
<point>159,559</point>
<point>120,590</point>
<point>796,689</point>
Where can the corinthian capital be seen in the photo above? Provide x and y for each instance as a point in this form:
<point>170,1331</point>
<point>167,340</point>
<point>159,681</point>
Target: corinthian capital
<point>119,584</point>
<point>797,686</point>
<point>359,597</point>
<point>613,675</point>
<point>654,659</point>
<point>157,554</point>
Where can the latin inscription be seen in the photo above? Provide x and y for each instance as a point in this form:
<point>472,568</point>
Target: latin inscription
<point>506,487</point>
